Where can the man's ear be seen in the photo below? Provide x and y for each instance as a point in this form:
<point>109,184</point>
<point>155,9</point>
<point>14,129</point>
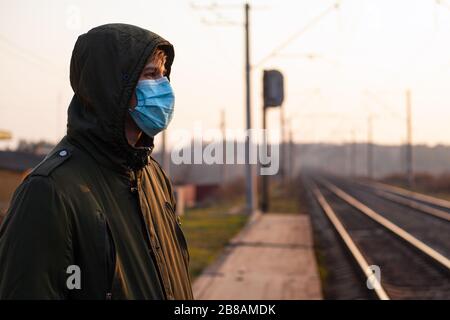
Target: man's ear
<point>132,103</point>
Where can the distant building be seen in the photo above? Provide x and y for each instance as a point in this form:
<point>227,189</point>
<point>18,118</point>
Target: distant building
<point>14,166</point>
<point>40,147</point>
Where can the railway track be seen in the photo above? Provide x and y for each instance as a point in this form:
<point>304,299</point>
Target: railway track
<point>437,207</point>
<point>408,245</point>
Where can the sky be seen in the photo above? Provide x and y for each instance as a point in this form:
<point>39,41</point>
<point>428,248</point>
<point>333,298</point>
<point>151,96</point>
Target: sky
<point>352,63</point>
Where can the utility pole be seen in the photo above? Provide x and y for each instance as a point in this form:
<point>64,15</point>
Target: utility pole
<point>273,93</point>
<point>353,155</point>
<point>249,169</point>
<point>265,178</point>
<point>409,154</point>
<point>58,116</point>
<point>164,158</point>
<point>283,167</point>
<point>224,146</point>
<point>291,154</point>
<point>369,148</point>
<point>249,174</point>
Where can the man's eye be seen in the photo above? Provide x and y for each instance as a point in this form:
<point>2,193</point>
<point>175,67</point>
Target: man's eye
<point>153,75</point>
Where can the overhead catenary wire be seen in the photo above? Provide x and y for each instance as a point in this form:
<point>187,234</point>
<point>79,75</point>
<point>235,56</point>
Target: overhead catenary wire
<point>294,36</point>
<point>31,57</point>
<point>375,98</point>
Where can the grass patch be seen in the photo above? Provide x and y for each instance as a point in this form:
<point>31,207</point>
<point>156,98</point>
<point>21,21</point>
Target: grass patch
<point>322,268</point>
<point>283,204</point>
<point>285,198</point>
<point>208,231</point>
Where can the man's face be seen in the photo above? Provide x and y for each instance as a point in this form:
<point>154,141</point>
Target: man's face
<point>153,69</point>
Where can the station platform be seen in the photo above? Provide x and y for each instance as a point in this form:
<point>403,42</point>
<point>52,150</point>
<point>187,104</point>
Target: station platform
<point>271,258</point>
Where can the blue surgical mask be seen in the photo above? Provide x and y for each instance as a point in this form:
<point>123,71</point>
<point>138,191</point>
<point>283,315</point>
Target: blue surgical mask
<point>154,108</point>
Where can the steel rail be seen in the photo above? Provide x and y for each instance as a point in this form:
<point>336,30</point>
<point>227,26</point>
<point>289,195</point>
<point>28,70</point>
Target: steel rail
<point>416,243</point>
<point>351,246</point>
<point>421,207</point>
<point>414,195</point>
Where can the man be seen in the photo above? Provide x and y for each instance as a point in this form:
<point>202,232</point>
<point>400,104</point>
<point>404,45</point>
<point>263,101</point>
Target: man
<point>96,219</point>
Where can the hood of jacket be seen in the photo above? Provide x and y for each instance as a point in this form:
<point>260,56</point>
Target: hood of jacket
<point>105,67</point>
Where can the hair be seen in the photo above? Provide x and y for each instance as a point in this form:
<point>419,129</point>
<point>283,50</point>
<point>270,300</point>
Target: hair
<point>159,59</point>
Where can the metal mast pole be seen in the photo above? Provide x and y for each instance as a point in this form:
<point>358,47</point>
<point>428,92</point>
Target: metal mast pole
<point>409,156</point>
<point>248,167</point>
<point>369,148</point>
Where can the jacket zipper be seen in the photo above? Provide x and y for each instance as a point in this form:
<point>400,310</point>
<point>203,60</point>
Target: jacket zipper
<point>109,238</point>
<point>134,188</point>
<point>134,184</point>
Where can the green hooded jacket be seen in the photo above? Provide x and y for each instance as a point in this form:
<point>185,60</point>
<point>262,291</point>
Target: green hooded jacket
<point>95,202</point>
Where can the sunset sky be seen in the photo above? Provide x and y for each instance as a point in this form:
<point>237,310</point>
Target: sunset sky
<point>365,56</point>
